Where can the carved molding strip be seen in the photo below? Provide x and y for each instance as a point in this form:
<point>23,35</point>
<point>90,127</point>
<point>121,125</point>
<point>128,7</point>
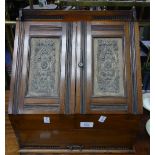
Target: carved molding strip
<point>108,67</point>
<point>133,67</point>
<point>122,17</point>
<point>44,67</point>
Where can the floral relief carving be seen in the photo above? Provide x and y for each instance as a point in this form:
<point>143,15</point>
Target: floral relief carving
<point>44,67</point>
<point>108,67</point>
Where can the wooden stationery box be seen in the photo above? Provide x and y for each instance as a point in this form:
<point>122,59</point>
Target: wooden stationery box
<point>73,67</point>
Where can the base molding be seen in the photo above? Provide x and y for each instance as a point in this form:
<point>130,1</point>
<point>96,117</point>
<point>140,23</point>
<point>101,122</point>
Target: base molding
<point>112,150</point>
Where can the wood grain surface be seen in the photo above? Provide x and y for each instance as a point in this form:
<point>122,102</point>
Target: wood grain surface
<point>11,145</point>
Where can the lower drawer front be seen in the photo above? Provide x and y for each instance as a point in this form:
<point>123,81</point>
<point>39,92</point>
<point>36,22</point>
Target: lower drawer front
<point>63,133</point>
<point>78,137</point>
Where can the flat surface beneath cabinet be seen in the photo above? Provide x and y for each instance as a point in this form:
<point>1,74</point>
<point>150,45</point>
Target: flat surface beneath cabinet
<point>142,145</point>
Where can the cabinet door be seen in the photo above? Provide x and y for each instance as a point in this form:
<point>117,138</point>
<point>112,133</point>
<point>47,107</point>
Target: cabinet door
<point>40,68</point>
<point>108,73</point>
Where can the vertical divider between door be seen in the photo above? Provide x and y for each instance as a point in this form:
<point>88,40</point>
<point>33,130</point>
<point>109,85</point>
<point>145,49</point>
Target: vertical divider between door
<point>72,69</point>
<point>78,70</point>
<point>88,68</point>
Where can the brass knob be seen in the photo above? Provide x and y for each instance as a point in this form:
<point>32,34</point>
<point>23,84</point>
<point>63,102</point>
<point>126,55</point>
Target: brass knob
<point>80,64</point>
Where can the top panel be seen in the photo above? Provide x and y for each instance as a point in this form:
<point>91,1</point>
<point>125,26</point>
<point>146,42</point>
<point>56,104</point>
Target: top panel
<point>57,15</point>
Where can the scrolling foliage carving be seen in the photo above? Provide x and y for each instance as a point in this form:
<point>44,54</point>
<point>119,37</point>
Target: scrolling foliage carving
<point>44,67</point>
<point>108,67</point>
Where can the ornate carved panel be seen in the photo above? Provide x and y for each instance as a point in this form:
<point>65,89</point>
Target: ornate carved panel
<point>44,67</point>
<point>108,67</point>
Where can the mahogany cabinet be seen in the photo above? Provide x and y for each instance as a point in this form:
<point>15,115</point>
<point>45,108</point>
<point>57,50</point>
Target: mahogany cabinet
<point>70,68</point>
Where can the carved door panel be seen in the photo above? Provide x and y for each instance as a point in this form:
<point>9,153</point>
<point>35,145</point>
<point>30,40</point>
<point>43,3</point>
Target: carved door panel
<point>108,73</point>
<point>42,83</point>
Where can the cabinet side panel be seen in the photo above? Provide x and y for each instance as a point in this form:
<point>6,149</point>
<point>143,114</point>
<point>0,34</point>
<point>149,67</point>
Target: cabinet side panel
<point>16,68</point>
<point>138,70</point>
<point>13,68</point>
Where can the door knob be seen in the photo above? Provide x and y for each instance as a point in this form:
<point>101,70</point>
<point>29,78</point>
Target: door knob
<point>80,64</point>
